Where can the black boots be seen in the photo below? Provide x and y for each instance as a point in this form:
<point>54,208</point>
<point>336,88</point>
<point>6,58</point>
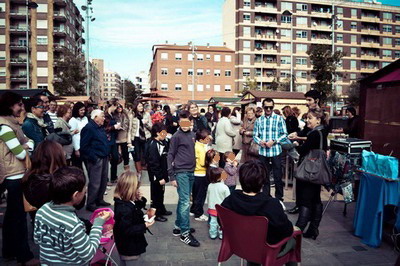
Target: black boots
<point>304,217</point>
<point>293,210</point>
<point>312,231</point>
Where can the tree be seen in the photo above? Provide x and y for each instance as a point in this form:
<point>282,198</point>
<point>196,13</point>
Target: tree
<point>131,92</point>
<point>70,75</point>
<point>324,67</point>
<point>249,85</point>
<point>354,94</point>
<point>274,86</point>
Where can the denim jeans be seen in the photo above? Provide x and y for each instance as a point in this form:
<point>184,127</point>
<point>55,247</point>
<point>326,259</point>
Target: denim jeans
<point>185,183</point>
<point>276,167</point>
<point>214,230</point>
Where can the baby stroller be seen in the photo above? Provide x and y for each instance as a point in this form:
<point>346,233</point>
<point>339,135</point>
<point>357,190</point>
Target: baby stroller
<point>103,255</point>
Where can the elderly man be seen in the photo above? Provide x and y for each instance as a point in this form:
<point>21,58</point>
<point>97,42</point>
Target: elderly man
<point>94,150</point>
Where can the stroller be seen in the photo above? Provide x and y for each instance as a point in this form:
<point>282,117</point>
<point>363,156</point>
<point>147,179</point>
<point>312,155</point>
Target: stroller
<point>107,244</point>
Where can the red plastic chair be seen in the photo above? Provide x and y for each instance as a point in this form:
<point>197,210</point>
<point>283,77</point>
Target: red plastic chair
<point>245,236</point>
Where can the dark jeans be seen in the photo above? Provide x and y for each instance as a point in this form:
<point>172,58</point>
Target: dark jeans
<point>199,194</point>
<point>15,231</point>
<point>124,152</point>
<point>98,175</point>
<point>185,183</point>
<point>307,194</point>
<point>114,162</point>
<point>157,197</point>
<point>274,164</point>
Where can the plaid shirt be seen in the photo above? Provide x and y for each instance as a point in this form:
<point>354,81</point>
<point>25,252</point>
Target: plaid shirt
<point>268,128</point>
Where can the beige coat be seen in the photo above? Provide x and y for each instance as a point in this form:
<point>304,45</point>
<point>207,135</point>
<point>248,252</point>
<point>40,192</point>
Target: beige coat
<point>224,135</point>
<point>66,128</point>
<point>123,133</point>
<point>237,125</point>
<point>134,124</point>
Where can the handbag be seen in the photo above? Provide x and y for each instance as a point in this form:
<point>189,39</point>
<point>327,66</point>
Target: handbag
<point>253,149</point>
<point>314,167</point>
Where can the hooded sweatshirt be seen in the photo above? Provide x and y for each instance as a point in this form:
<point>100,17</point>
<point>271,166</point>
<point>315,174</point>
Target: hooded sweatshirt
<point>181,155</point>
<point>279,226</point>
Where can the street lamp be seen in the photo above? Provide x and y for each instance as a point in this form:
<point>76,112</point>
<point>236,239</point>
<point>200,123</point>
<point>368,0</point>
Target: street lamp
<point>193,58</point>
<point>29,5</point>
<point>288,13</point>
<point>89,18</point>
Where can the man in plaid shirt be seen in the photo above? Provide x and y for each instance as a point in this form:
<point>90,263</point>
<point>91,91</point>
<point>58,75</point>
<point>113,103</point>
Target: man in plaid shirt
<point>269,131</point>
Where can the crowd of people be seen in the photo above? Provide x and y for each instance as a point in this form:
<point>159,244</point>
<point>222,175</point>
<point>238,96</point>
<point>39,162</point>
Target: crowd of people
<point>44,148</point>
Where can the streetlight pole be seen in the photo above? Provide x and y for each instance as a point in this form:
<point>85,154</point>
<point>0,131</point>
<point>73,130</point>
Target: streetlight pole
<point>193,79</point>
<point>333,50</point>
<point>89,19</point>
<point>290,14</point>
<point>28,6</point>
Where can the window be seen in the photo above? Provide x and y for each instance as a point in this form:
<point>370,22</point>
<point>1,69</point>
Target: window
<point>217,73</point>
<point>339,10</point>
<point>164,87</point>
<point>208,57</point>
<point>353,51</point>
<point>397,29</point>
<point>199,72</point>
<point>178,56</point>
<point>339,49</point>
<point>178,71</point>
<point>354,12</point>
<point>42,72</point>
<point>285,60</point>
<point>190,87</point>
<point>353,64</point>
<point>228,73</point>
<point>301,7</point>
<point>190,72</point>
<point>42,56</point>
<point>301,61</point>
<point>42,8</point>
<point>301,47</point>
<point>339,37</point>
<point>164,71</point>
<point>41,24</point>
<point>397,17</point>
<point>387,41</point>
<point>301,21</point>
<point>285,33</point>
<point>353,25</point>
<point>397,41</point>
<point>190,57</point>
<point>228,88</point>
<point>41,40</point>
<point>397,54</point>
<point>386,53</point>
<point>200,57</point>
<point>387,16</point>
<point>246,72</point>
<point>301,74</point>
<point>353,38</point>
<point>301,88</point>
<point>217,58</point>
<point>246,3</point>
<point>301,34</point>
<point>208,72</point>
<point>228,58</point>
<point>286,19</point>
<point>285,46</point>
<point>2,55</point>
<point>246,59</point>
<point>208,86</point>
<point>353,76</point>
<point>246,44</point>
<point>246,31</point>
<point>385,64</point>
<point>246,16</point>
<point>178,87</point>
<point>217,87</point>
<point>387,28</point>
<point>286,6</point>
<point>200,87</point>
<point>164,56</point>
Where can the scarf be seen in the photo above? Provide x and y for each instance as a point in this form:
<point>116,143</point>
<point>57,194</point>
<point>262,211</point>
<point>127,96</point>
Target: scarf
<point>142,135</point>
<point>39,120</point>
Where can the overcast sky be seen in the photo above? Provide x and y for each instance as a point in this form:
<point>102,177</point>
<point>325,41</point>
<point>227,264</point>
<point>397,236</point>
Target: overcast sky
<point>125,30</point>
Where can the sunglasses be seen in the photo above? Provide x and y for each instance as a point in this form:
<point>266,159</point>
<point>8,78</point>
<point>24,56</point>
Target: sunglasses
<point>39,106</point>
<point>268,107</point>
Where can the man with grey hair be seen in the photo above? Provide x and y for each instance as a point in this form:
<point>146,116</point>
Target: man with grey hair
<point>95,150</point>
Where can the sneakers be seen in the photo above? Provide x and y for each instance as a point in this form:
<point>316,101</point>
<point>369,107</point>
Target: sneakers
<point>177,231</point>
<point>189,239</point>
<point>191,214</point>
<point>202,218</point>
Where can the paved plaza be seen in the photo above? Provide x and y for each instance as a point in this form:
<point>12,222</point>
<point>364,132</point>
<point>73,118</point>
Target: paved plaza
<point>335,245</point>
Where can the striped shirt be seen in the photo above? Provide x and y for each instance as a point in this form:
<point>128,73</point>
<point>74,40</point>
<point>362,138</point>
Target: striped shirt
<point>7,135</point>
<point>268,128</point>
<point>53,116</point>
<point>62,237</point>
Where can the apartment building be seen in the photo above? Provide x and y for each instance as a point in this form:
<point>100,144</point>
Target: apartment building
<point>270,37</point>
<point>183,75</point>
<point>112,85</point>
<point>55,25</point>
<point>99,65</point>
<point>141,81</point>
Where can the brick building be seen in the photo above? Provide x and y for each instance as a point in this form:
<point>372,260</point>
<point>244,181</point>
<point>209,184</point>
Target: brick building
<point>271,36</point>
<point>174,73</point>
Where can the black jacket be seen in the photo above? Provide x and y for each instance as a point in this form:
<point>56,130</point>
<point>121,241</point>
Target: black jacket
<point>292,124</point>
<point>129,227</point>
<point>49,123</point>
<point>353,127</point>
<point>94,142</point>
<point>157,165</point>
<point>199,123</point>
<point>313,141</point>
<point>279,226</point>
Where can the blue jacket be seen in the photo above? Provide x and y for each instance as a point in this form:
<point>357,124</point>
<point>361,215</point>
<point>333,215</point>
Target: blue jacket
<point>94,142</point>
<point>32,130</point>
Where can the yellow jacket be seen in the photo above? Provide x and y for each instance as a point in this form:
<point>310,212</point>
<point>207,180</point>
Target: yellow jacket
<point>200,150</point>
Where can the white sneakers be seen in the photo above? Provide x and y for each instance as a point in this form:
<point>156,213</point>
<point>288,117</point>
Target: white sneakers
<point>202,218</point>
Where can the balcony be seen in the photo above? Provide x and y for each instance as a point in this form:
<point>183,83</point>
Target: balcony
<point>321,41</point>
<point>267,51</point>
<point>18,61</point>
<point>267,37</point>
<point>60,16</point>
<point>265,64</point>
<point>264,79</point>
<point>320,14</point>
<point>367,18</point>
<point>371,31</point>
<point>16,14</point>
<point>266,22</point>
<point>369,69</point>
<point>21,77</point>
<point>17,46</point>
<point>265,7</point>
<point>59,31</point>
<point>18,30</point>
<point>59,46</point>
<point>370,56</point>
<point>370,44</point>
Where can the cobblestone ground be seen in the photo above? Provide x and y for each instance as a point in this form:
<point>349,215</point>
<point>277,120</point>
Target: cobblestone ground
<point>335,245</point>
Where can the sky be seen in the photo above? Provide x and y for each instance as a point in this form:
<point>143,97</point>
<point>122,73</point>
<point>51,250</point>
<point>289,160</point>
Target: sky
<point>125,31</point>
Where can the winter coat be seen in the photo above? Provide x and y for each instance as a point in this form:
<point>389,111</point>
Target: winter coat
<point>157,165</point>
<point>33,131</point>
<point>224,135</point>
<point>236,125</point>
